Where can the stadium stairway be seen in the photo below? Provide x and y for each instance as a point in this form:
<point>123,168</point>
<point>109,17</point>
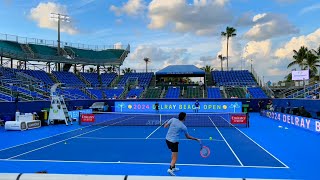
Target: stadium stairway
<point>26,48</point>
<point>88,93</point>
<point>54,79</point>
<point>83,79</point>
<point>22,96</point>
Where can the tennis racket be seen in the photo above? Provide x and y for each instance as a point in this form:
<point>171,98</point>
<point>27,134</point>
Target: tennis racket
<point>204,151</point>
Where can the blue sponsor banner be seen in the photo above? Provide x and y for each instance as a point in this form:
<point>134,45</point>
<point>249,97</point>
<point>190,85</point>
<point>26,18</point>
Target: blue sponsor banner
<point>177,106</point>
<point>75,114</point>
<point>297,121</point>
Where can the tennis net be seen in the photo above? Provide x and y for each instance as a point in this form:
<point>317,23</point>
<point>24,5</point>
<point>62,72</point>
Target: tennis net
<point>140,119</point>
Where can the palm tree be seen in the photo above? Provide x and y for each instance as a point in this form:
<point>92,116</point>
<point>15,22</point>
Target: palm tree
<point>311,62</point>
<point>207,69</point>
<point>221,60</point>
<point>299,57</point>
<point>317,52</point>
<point>127,70</point>
<point>230,32</point>
<point>147,60</point>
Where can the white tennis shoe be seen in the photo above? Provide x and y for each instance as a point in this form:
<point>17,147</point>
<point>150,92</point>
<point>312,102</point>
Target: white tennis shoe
<point>175,169</point>
<point>170,171</point>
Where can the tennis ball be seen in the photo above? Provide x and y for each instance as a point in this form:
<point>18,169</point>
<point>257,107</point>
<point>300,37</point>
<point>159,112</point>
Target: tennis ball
<point>65,142</point>
<point>210,138</point>
<point>194,129</point>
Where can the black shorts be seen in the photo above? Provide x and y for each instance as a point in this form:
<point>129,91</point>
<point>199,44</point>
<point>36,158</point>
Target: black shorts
<point>172,146</point>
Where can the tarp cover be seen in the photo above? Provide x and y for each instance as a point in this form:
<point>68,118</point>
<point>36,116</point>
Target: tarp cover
<point>181,70</point>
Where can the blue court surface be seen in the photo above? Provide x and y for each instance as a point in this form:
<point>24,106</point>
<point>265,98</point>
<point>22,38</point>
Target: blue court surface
<point>261,151</point>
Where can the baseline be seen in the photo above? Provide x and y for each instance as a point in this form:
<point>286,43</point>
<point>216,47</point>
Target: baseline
<point>142,163</point>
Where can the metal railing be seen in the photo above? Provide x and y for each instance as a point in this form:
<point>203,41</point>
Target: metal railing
<point>54,43</point>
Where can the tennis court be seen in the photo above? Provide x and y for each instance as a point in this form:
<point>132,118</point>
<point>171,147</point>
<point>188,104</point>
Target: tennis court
<point>124,146</point>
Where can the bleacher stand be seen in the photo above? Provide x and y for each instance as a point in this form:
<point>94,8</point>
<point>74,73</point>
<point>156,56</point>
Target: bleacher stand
<point>114,93</point>
<point>173,92</point>
<point>257,92</point>
<point>96,92</point>
<point>134,93</point>
<point>92,78</point>
<point>143,78</point>
<point>68,78</point>
<point>214,93</point>
<point>107,78</point>
<point>233,78</point>
<point>41,75</point>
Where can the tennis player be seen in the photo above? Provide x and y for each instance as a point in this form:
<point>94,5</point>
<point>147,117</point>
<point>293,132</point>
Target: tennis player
<point>197,105</point>
<point>176,126</point>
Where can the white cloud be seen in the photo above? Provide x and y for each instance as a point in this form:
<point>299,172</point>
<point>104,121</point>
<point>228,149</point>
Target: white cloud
<point>258,16</point>
<point>309,9</point>
<point>268,26</point>
<point>182,17</point>
<point>41,15</point>
<point>131,8</point>
<point>159,57</point>
<point>311,41</point>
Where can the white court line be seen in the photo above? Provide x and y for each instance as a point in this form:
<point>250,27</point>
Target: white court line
<point>44,138</point>
<point>226,141</point>
<point>66,139</point>
<point>141,163</point>
<point>101,138</point>
<point>257,144</point>
<point>156,129</point>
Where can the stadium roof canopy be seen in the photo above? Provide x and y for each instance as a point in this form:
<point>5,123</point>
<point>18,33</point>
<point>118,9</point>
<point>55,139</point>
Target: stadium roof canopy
<point>32,49</point>
<point>181,71</point>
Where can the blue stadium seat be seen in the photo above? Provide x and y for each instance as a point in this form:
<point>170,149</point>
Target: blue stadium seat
<point>214,93</point>
<point>257,92</point>
<point>173,92</point>
<point>68,78</point>
<point>233,78</point>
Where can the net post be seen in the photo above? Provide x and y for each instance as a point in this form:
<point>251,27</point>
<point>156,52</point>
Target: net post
<point>160,120</point>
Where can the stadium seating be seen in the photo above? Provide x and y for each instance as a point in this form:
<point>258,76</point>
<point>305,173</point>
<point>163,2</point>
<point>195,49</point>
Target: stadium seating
<point>173,92</point>
<point>115,91</point>
<point>257,92</point>
<point>96,92</point>
<point>41,75</point>
<point>153,92</point>
<point>143,78</point>
<point>92,78</point>
<point>134,92</point>
<point>11,46</point>
<point>193,92</point>
<point>214,92</point>
<point>5,97</point>
<point>107,78</point>
<point>68,78</point>
<point>233,78</point>
<point>43,50</point>
<point>110,54</point>
<point>76,93</point>
<point>235,92</point>
<point>33,94</point>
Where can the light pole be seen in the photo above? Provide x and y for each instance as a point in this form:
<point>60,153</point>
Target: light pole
<point>59,18</point>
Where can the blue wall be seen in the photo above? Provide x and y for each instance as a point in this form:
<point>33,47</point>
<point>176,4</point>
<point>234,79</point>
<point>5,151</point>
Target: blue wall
<point>8,108</point>
<point>310,105</point>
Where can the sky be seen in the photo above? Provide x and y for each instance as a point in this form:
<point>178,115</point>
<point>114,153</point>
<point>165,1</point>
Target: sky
<point>177,31</point>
